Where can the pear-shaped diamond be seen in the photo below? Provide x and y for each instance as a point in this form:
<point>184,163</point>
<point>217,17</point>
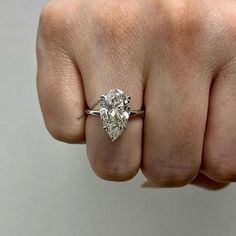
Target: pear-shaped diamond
<point>114,112</point>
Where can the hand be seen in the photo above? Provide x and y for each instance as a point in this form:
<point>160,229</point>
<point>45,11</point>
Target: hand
<point>178,58</point>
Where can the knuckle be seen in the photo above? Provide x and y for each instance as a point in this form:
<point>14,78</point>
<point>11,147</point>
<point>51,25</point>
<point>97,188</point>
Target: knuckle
<point>114,175</point>
<point>220,160</point>
<point>114,171</point>
<point>223,172</point>
<point>185,22</point>
<point>180,22</point>
<point>116,21</point>
<point>66,134</point>
<point>56,20</point>
<point>170,176</point>
<point>185,17</point>
<point>230,39</point>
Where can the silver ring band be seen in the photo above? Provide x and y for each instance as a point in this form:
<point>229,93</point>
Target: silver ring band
<point>131,113</point>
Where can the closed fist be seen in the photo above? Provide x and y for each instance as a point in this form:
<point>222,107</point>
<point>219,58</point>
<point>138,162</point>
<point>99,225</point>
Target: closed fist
<point>175,58</point>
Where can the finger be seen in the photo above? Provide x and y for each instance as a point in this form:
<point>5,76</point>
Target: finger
<point>219,161</point>
<point>119,160</point>
<point>59,86</point>
<point>113,60</point>
<point>174,125</point>
<point>204,182</point>
<point>200,181</point>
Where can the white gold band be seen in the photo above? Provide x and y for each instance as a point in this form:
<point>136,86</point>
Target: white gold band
<point>131,113</point>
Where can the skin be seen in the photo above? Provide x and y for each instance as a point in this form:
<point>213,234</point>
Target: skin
<point>177,58</point>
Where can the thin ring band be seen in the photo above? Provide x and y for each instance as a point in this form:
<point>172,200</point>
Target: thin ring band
<point>131,113</point>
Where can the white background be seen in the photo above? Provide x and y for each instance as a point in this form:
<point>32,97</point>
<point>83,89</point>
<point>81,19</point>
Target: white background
<point>48,189</point>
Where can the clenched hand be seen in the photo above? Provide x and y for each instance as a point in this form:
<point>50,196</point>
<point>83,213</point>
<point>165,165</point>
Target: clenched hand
<point>175,58</point>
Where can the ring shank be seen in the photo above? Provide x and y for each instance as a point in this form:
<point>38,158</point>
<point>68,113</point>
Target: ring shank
<point>131,113</point>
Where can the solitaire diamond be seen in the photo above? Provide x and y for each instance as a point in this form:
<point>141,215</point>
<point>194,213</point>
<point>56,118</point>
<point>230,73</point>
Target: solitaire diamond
<point>115,112</point>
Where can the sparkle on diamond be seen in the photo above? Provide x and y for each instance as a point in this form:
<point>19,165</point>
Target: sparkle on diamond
<point>114,111</point>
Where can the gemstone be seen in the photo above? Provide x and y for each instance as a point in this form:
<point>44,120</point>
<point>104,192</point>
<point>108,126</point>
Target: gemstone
<point>114,112</point>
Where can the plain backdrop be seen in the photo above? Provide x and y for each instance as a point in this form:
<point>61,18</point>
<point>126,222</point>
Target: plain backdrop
<point>48,189</point>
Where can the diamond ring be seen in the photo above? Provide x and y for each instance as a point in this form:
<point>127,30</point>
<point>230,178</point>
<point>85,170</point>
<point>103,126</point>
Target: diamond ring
<point>115,112</point>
